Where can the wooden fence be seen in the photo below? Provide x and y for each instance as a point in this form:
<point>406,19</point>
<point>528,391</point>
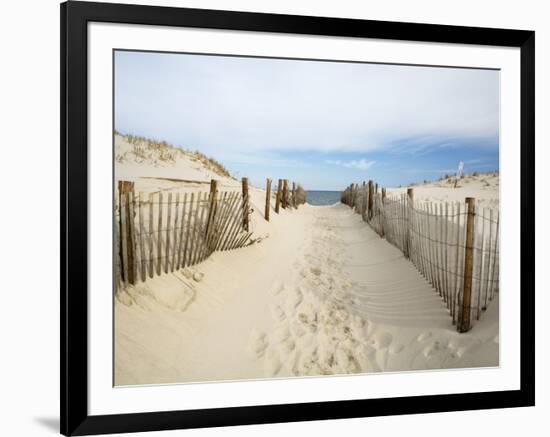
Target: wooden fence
<point>163,232</point>
<point>454,245</point>
<point>158,233</point>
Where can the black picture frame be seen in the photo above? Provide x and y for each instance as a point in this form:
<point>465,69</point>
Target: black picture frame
<point>75,17</point>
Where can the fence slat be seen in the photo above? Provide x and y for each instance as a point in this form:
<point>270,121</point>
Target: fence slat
<point>233,197</point>
<point>234,226</point>
<point>224,218</point>
<point>464,324</point>
<point>175,233</point>
<point>132,258</point>
<point>235,231</point>
<point>439,246</point>
<point>245,203</point>
<point>151,237</point>
<point>279,193</point>
<point>195,232</point>
<point>182,234</point>
<point>117,251</point>
<point>446,256</point>
<point>159,236</point>
<point>267,199</point>
<point>124,237</point>
<point>457,263</point>
<point>141,239</point>
<point>186,257</point>
<point>220,205</point>
<point>167,248</point>
<point>481,254</point>
<point>496,265</point>
<point>207,209</point>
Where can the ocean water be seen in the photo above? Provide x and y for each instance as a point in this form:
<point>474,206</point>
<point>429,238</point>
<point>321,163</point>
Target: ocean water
<point>323,197</point>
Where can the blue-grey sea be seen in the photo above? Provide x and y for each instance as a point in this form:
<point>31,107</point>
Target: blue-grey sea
<point>323,197</point>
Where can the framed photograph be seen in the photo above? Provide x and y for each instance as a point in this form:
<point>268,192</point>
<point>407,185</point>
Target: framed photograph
<point>271,218</point>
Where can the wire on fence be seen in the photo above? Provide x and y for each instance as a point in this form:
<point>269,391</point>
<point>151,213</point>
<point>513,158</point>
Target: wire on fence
<point>441,240</point>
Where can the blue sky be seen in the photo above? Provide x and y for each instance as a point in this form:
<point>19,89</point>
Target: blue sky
<point>324,124</point>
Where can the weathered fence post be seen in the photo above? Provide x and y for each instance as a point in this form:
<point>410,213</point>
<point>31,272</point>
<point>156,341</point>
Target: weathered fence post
<point>410,199</point>
<point>294,194</point>
<point>267,198</point>
<point>168,216</point>
<point>464,319</point>
<point>285,193</point>
<point>211,207</point>
<point>376,188</point>
<point>363,200</point>
<point>126,193</point>
<point>279,193</point>
<point>245,203</point>
<point>370,199</point>
<point>383,213</point>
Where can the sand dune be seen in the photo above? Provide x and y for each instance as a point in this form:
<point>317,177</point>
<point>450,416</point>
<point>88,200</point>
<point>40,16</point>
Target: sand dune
<point>484,187</point>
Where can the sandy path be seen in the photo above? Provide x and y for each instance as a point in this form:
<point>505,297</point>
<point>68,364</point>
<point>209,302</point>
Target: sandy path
<point>323,294</point>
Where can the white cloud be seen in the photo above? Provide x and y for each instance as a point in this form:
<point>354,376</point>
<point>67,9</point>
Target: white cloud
<point>279,105</point>
<point>360,164</point>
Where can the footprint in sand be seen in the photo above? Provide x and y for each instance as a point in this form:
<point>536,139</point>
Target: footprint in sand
<point>272,363</point>
<point>366,358</point>
<point>281,334</point>
<point>396,348</point>
<point>432,349</point>
<point>316,271</point>
<point>381,340</point>
<point>276,290</point>
<point>286,347</point>
<point>297,328</point>
<point>257,343</point>
<point>423,336</point>
<point>278,313</point>
<point>294,300</point>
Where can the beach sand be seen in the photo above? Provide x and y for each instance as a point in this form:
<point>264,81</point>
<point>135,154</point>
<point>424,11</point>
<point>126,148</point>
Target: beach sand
<point>320,294</point>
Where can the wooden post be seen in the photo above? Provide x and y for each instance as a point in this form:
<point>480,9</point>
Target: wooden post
<point>211,206</point>
<point>193,235</point>
<point>267,198</point>
<point>180,246</point>
<point>245,204</point>
<point>464,320</point>
<point>151,235</point>
<point>294,194</point>
<point>285,194</point>
<point>457,258</point>
<point>371,195</point>
<point>410,199</point>
<point>363,200</point>
<point>201,237</point>
<point>142,238</point>
<point>279,193</point>
<point>159,236</point>
<point>126,191</point>
<point>383,194</point>
<point>168,219</point>
<point>176,223</point>
<point>376,188</point>
<point>188,243</point>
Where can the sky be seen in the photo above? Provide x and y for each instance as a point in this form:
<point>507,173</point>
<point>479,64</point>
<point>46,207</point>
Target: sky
<point>322,124</point>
